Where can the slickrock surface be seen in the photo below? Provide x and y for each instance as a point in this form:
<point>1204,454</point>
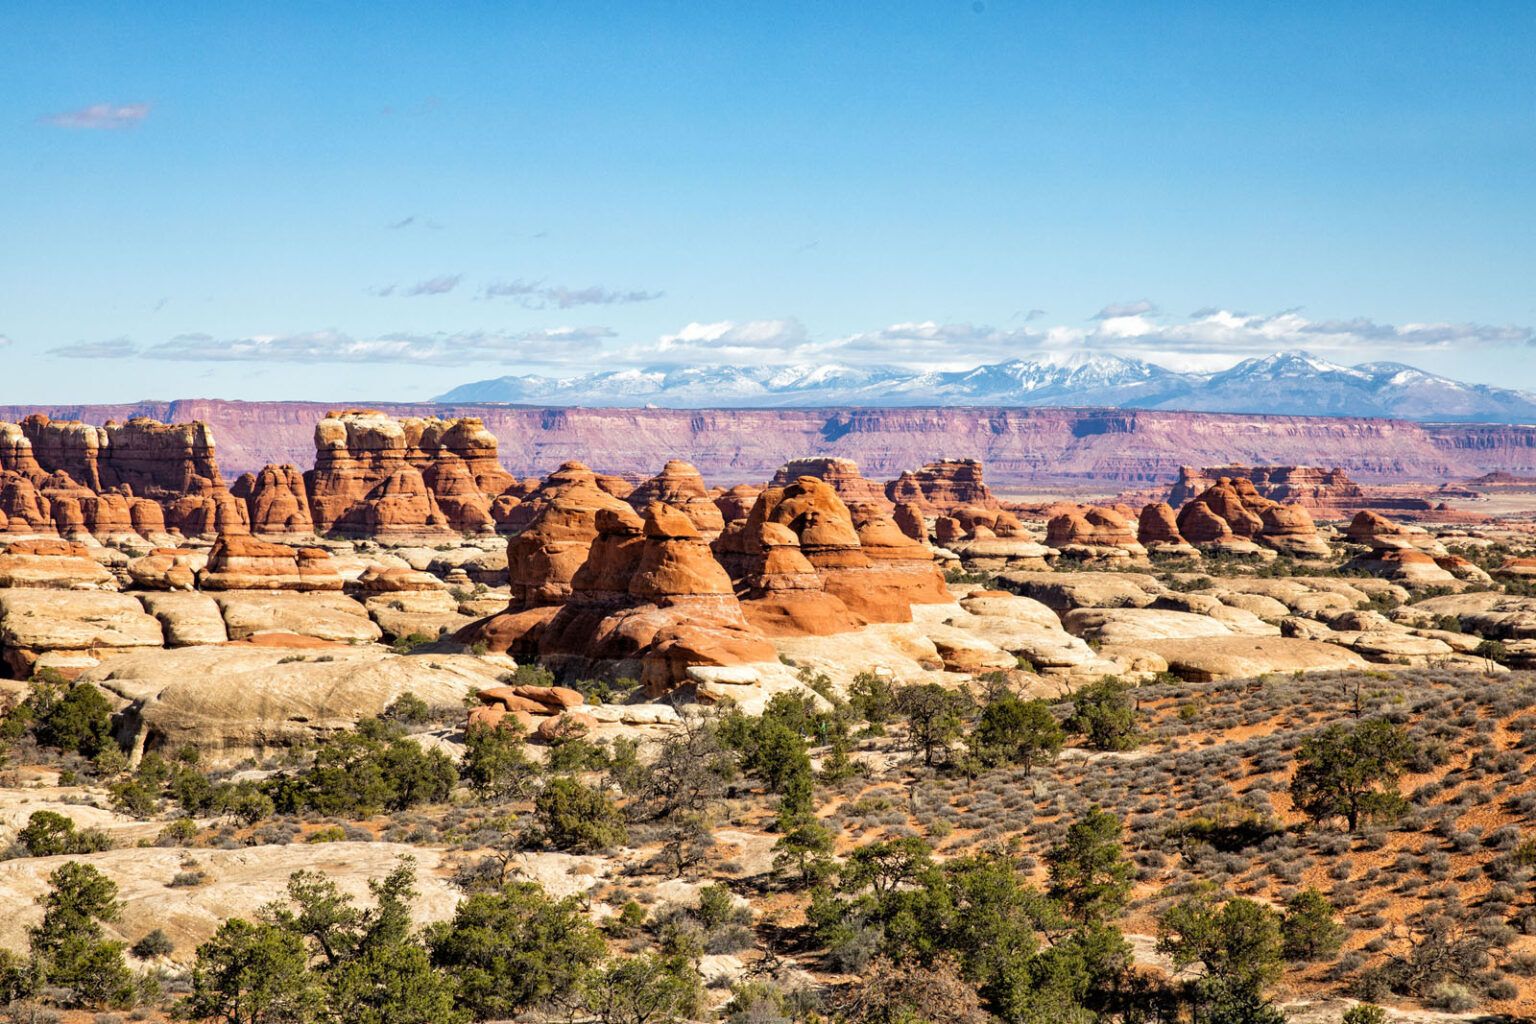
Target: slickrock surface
<point>36,621</point>
<point>238,698</point>
<point>54,565</point>
<point>239,883</point>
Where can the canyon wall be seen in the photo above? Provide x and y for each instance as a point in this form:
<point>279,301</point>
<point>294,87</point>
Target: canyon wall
<point>1020,447</point>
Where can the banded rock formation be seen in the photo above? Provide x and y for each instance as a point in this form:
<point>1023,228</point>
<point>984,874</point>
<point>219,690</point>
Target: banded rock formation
<point>942,486</point>
<point>842,475</point>
<point>1232,516</point>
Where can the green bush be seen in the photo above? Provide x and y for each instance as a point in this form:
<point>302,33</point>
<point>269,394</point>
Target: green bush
<point>1105,714</point>
<point>371,769</point>
<point>73,717</point>
<point>578,818</point>
<point>515,949</point>
<point>50,834</point>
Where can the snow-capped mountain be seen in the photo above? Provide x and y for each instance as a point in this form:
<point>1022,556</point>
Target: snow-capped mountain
<point>1290,383</point>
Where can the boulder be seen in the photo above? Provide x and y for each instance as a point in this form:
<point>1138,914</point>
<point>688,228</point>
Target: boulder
<point>168,569</point>
<point>323,616</point>
<point>35,621</point>
<point>1245,657</point>
<point>232,700</point>
<point>187,619</point>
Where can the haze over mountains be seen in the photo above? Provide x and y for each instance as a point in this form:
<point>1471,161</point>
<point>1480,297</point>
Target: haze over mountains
<point>1286,383</point>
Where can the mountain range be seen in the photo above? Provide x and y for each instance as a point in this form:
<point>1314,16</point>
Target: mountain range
<point>1286,383</point>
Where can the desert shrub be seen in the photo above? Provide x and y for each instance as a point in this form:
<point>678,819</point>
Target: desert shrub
<point>578,818</point>
<point>71,717</point>
<point>515,949</point>
<point>1364,1013</point>
<point>370,769</point>
<point>155,943</point>
<point>1309,929</point>
<point>68,948</point>
<point>408,709</point>
<point>1104,713</point>
<point>50,834</point>
<point>1351,772</point>
<point>1017,732</point>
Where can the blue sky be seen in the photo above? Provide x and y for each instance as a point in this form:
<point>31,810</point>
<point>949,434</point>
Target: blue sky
<point>348,201</point>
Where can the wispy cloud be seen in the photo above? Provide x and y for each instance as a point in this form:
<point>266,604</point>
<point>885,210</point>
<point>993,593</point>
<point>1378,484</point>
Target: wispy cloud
<point>1119,309</point>
<point>100,116</point>
<point>538,295</point>
<point>5,340</point>
<point>414,221</point>
<point>440,285</point>
<point>333,346</point>
<point>116,348</point>
<point>436,285</point>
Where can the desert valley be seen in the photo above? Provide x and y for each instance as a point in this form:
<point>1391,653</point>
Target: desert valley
<point>743,742</point>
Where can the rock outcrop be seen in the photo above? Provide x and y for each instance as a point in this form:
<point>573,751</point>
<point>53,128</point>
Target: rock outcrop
<point>1094,534</point>
<point>1157,529</point>
<point>278,501</point>
<point>879,589</point>
<point>941,486</point>
<point>781,592</point>
<point>544,558</point>
<point>1309,486</point>
<point>736,502</point>
<point>1231,516</point>
<point>681,486</point>
<point>362,484</point>
<point>677,608</point>
<point>842,475</point>
<point>112,482</point>
<point>244,563</point>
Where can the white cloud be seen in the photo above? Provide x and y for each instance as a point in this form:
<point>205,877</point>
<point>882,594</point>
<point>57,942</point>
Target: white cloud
<point>100,116</point>
<point>4,341</point>
<point>728,341</point>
